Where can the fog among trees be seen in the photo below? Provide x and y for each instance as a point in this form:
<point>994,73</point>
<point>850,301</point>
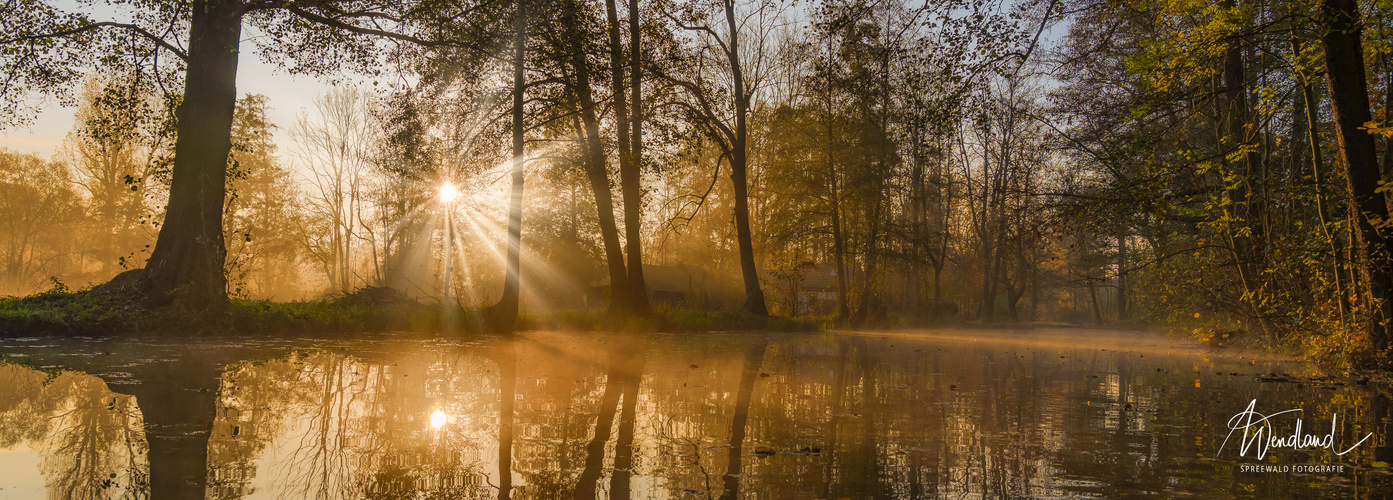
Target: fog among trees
<point>1217,169</point>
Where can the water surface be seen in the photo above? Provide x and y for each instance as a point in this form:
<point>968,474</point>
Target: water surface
<point>960,414</point>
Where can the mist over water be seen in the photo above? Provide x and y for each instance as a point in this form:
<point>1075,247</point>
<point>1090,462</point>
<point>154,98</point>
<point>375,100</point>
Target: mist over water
<point>1044,413</point>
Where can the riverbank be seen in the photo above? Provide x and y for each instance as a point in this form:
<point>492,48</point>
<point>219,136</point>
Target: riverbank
<point>82,313</point>
<point>62,312</point>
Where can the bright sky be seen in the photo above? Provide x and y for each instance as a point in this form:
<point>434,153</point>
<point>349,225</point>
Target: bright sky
<point>289,94</point>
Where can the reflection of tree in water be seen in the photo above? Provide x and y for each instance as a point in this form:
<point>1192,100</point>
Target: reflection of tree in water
<point>252,405</point>
<point>325,425</point>
<point>560,387</point>
<point>821,417</point>
<point>90,440</point>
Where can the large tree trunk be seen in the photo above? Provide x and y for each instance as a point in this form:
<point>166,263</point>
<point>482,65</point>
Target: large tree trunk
<point>187,261</point>
<point>595,168</point>
<point>754,296</point>
<point>629,177</point>
<point>636,279</point>
<point>1349,99</point>
<point>505,314</point>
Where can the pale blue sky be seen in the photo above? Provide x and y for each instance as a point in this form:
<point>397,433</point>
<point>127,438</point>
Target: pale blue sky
<point>288,94</point>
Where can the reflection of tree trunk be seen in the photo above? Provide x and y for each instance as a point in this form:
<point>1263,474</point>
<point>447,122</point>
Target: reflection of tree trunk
<point>624,446</point>
<point>1378,424</point>
<point>177,400</point>
<point>595,451</point>
<point>869,410</point>
<point>754,357</point>
<point>507,390</point>
<point>838,388</point>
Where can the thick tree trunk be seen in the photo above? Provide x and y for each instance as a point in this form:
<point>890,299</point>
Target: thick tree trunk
<point>1349,98</point>
<point>595,168</point>
<point>187,261</point>
<point>754,296</point>
<point>505,314</point>
<point>629,177</point>
<point>636,279</point>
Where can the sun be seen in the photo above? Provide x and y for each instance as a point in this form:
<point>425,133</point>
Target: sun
<point>448,193</point>
<point>438,419</point>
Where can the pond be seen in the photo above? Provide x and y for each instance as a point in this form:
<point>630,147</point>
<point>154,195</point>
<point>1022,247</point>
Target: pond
<point>1061,413</point>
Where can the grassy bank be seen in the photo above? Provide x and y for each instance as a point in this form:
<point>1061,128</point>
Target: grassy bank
<point>63,312</point>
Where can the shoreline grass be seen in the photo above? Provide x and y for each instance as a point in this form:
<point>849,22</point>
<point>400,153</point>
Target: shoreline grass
<point>62,312</point>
